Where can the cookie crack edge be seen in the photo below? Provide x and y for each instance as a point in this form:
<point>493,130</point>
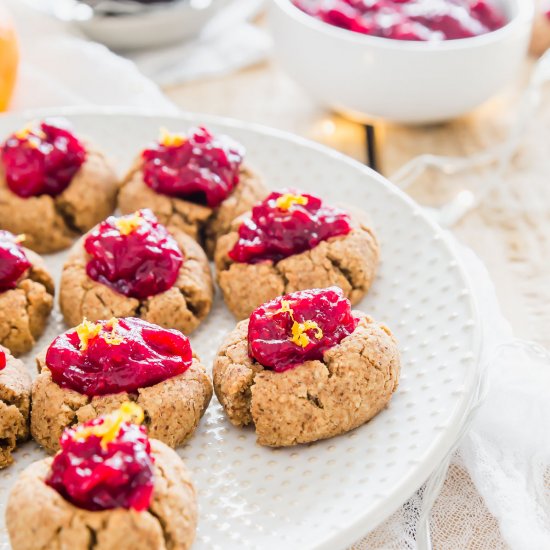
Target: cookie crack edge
<point>162,524</point>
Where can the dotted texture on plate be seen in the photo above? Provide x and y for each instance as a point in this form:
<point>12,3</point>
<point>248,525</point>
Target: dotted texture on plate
<point>323,495</point>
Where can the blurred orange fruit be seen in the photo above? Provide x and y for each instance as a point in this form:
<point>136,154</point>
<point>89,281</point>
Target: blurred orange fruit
<point>9,58</point>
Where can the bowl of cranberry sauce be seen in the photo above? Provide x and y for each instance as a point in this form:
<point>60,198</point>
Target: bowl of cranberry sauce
<point>408,61</point>
<point>420,20</point>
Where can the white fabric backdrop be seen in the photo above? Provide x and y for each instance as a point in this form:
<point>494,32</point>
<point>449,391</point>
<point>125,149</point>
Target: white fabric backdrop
<point>227,43</point>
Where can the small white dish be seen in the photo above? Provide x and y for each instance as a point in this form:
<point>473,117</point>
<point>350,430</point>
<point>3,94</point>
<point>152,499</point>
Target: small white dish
<point>402,81</point>
<point>154,25</point>
<point>161,25</point>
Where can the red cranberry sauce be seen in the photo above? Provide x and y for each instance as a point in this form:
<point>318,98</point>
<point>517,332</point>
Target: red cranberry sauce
<point>409,19</point>
<point>200,167</point>
<point>41,159</point>
<point>120,355</point>
<point>299,327</point>
<point>287,223</point>
<point>134,255</point>
<point>13,261</point>
<point>3,360</point>
<point>105,463</point>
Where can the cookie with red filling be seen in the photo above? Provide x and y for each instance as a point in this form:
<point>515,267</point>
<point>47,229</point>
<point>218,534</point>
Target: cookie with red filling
<point>109,487</point>
<point>197,182</point>
<point>26,294</point>
<point>293,241</point>
<point>306,367</point>
<point>133,266</point>
<point>91,369</point>
<point>15,401</point>
<point>53,185</point>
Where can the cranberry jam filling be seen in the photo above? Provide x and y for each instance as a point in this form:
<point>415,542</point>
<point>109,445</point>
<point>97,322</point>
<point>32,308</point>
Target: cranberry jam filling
<point>3,360</point>
<point>287,223</point>
<point>134,255</point>
<point>105,463</point>
<point>409,19</point>
<point>41,159</point>
<point>199,167</point>
<point>13,260</point>
<point>119,355</point>
<point>299,327</point>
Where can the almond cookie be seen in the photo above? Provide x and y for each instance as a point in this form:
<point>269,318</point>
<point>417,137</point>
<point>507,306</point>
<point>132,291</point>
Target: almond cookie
<point>26,295</point>
<point>195,182</point>
<point>92,369</point>
<point>132,266</point>
<point>305,367</point>
<point>53,186</point>
<point>110,487</point>
<point>15,399</point>
<point>293,241</point>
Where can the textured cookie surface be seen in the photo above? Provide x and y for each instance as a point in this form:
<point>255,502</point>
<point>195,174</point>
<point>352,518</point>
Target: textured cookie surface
<point>181,307</point>
<point>25,309</point>
<point>15,398</point>
<point>202,223</point>
<point>349,262</point>
<point>172,408</point>
<point>52,223</point>
<point>315,400</point>
<point>38,518</point>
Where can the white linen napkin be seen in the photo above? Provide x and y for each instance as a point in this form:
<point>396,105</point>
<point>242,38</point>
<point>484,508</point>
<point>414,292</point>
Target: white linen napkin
<point>58,67</point>
<point>227,43</point>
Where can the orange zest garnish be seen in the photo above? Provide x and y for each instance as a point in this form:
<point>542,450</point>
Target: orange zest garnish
<point>112,323</point>
<point>26,131</point>
<point>128,224</point>
<point>284,202</point>
<point>112,338</point>
<point>109,429</point>
<point>299,330</point>
<point>87,331</point>
<point>299,334</point>
<point>170,139</point>
<point>285,308</point>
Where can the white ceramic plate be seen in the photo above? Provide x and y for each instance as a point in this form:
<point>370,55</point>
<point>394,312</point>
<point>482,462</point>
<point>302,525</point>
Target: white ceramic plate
<point>328,494</point>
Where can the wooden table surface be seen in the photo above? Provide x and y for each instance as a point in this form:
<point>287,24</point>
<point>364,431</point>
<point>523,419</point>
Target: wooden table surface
<point>513,242</point>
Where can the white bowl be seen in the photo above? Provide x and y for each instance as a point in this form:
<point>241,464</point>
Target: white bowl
<point>161,25</point>
<point>403,81</point>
